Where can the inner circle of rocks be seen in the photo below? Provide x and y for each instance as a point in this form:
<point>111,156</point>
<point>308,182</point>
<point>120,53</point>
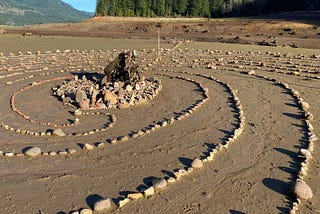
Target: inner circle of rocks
<point>86,95</point>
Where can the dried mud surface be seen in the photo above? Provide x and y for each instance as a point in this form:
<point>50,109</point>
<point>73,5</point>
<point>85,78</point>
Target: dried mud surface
<point>255,174</point>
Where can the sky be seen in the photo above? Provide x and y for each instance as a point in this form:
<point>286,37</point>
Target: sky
<point>85,5</point>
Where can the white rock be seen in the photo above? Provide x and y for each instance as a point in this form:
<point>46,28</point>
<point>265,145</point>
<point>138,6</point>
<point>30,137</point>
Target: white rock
<point>252,72</point>
<point>86,211</point>
<point>197,163</point>
<point>33,152</point>
<point>302,190</point>
<point>123,202</point>
<point>149,192</point>
<point>59,133</point>
<point>71,151</point>
<point>305,105</point>
<point>128,88</point>
<point>103,204</point>
<point>88,147</point>
<point>159,183</point>
<point>305,152</point>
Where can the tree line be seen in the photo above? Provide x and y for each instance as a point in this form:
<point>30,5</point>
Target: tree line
<point>200,8</point>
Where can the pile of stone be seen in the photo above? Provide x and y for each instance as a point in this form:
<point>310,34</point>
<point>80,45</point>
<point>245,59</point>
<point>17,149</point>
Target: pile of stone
<point>87,94</point>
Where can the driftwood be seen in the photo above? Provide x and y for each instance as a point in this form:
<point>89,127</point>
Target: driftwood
<point>123,69</point>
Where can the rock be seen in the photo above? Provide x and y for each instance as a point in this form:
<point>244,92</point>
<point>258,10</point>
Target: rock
<point>128,88</point>
<point>197,163</point>
<point>84,104</point>
<point>33,152</point>
<point>27,34</point>
<point>302,190</point>
<point>252,72</point>
<point>81,95</point>
<point>211,66</point>
<point>52,153</point>
<point>137,87</point>
<point>171,180</point>
<point>71,151</point>
<point>88,147</point>
<point>58,132</point>
<point>123,202</point>
<point>100,145</point>
<point>109,97</point>
<point>148,192</point>
<point>86,211</point>
<point>135,196</point>
<point>9,154</point>
<point>159,183</point>
<point>309,116</point>
<point>62,153</point>
<point>305,105</point>
<point>77,112</point>
<point>305,153</point>
<point>103,204</point>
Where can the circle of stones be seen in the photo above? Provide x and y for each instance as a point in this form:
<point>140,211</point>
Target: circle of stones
<point>148,130</point>
<point>210,154</point>
<point>233,64</point>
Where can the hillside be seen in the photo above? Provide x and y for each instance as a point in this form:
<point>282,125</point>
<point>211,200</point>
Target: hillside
<point>25,12</point>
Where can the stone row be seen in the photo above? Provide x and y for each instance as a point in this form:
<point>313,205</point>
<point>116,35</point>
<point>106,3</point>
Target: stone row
<point>148,130</point>
<point>159,184</point>
<point>168,121</point>
<point>231,59</point>
<point>27,117</point>
<point>59,133</point>
<point>301,190</point>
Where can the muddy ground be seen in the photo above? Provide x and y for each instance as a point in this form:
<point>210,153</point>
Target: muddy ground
<point>255,174</point>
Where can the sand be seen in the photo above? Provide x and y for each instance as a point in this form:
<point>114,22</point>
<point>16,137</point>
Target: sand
<point>254,174</point>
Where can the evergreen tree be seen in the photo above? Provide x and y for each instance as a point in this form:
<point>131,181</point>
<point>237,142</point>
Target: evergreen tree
<point>200,8</point>
<point>193,8</point>
<point>181,7</point>
<point>140,8</point>
<point>101,8</point>
<point>205,9</point>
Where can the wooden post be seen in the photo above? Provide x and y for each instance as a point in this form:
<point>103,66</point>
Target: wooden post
<point>159,42</point>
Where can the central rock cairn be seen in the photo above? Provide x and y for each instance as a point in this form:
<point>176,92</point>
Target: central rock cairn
<point>121,86</point>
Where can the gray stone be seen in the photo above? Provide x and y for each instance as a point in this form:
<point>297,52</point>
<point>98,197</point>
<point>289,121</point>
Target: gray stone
<point>33,152</point>
<point>109,97</point>
<point>302,190</point>
<point>59,133</point>
<point>84,104</point>
<point>86,211</point>
<point>103,204</point>
<point>197,163</point>
<point>159,183</point>
<point>81,95</point>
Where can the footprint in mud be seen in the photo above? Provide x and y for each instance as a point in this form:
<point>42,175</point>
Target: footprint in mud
<point>191,208</point>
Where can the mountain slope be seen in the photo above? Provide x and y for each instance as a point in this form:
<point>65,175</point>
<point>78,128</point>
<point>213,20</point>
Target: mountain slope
<point>25,12</point>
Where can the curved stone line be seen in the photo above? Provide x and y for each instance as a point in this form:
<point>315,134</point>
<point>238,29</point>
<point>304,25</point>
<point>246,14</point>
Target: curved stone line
<point>312,138</point>
<point>13,106</point>
<point>211,153</point>
<point>144,131</point>
<point>49,124</point>
<point>158,124</point>
<point>276,70</point>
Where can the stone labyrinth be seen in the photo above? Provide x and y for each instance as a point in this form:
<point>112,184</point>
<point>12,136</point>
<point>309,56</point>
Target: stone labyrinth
<point>199,87</point>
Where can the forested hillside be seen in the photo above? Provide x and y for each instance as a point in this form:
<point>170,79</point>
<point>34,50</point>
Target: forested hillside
<point>25,12</point>
<point>200,8</point>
